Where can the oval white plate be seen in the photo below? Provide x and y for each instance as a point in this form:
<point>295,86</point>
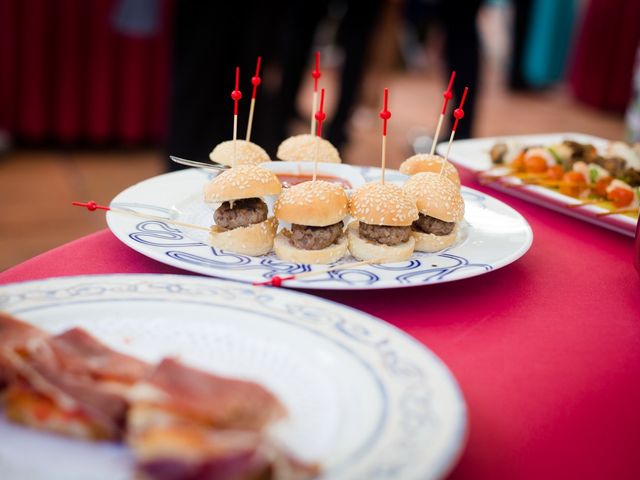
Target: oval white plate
<point>492,236</point>
<point>365,399</point>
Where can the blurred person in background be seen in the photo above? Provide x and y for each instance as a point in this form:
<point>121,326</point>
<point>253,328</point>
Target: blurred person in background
<point>457,19</point>
<point>356,20</point>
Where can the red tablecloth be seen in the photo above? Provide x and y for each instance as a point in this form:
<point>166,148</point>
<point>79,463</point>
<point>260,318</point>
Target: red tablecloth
<point>546,350</point>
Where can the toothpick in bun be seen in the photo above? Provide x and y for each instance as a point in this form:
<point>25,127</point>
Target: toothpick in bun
<point>247,153</point>
<point>242,224</point>
<point>316,211</point>
<point>441,208</point>
<point>302,148</point>
<point>382,230</point>
<point>424,162</point>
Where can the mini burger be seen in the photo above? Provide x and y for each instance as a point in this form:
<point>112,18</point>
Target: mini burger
<point>247,153</point>
<point>424,162</point>
<point>315,211</point>
<point>382,230</point>
<point>302,148</point>
<point>242,224</point>
<point>441,208</point>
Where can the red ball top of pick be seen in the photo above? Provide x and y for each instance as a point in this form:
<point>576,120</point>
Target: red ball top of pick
<point>458,113</point>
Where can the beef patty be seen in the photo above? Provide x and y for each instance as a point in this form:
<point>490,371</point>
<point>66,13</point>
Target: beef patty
<point>384,234</point>
<point>315,238</point>
<point>244,212</point>
<point>428,224</point>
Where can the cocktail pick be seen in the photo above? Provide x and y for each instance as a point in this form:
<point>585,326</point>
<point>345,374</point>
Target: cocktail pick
<point>255,81</point>
<point>316,74</point>
<point>385,115</point>
<point>458,113</point>
<point>319,116</point>
<point>447,96</point>
<point>236,95</point>
<point>93,206</point>
<point>277,280</point>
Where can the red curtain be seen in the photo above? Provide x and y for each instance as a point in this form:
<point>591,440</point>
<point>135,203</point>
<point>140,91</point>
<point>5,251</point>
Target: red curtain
<point>605,52</point>
<point>67,76</point>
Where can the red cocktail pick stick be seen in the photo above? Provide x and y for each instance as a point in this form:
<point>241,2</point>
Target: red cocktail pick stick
<point>447,96</point>
<point>316,76</point>
<point>458,113</point>
<point>277,280</point>
<point>320,115</point>
<point>255,81</point>
<point>385,115</point>
<point>93,206</point>
<point>236,95</point>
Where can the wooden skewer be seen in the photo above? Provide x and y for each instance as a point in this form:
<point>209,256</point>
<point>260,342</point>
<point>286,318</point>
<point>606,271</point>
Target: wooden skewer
<point>447,96</point>
<point>618,211</point>
<point>236,95</point>
<point>458,114</point>
<point>385,115</point>
<point>585,203</point>
<point>255,81</point>
<point>320,117</point>
<point>316,76</point>
<point>93,206</point>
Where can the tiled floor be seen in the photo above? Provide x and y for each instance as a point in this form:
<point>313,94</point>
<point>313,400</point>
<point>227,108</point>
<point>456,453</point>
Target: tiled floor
<point>36,187</point>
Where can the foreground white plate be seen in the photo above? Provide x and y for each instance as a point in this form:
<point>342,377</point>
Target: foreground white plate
<point>365,400</point>
<point>492,236</point>
<point>473,154</point>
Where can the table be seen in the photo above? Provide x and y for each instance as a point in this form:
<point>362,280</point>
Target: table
<point>546,350</point>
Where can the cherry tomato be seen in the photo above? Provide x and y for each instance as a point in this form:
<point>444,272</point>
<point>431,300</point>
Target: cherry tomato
<point>601,185</point>
<point>555,173</point>
<point>621,197</point>
<point>573,183</point>
<point>535,164</point>
<point>518,163</point>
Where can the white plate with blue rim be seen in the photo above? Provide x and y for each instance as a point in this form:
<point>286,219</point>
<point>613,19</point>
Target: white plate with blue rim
<point>365,400</point>
<point>491,236</point>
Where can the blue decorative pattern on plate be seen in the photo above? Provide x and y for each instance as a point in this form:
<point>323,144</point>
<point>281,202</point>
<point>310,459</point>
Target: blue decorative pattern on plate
<point>365,400</point>
<point>492,236</point>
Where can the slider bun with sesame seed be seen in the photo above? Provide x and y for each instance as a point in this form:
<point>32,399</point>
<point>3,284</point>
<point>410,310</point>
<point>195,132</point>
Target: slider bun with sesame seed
<point>428,242</point>
<point>244,181</point>
<point>302,148</point>
<point>424,162</point>
<point>383,204</point>
<point>315,204</point>
<point>255,240</point>
<point>436,196</point>
<point>363,249</point>
<point>247,153</point>
<point>286,251</point>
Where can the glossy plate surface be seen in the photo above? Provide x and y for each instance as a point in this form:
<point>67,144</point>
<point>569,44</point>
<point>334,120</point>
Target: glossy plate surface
<point>365,400</point>
<point>491,236</point>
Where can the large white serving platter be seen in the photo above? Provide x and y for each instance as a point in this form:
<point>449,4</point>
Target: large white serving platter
<point>473,154</point>
<point>365,400</point>
<point>491,236</point>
